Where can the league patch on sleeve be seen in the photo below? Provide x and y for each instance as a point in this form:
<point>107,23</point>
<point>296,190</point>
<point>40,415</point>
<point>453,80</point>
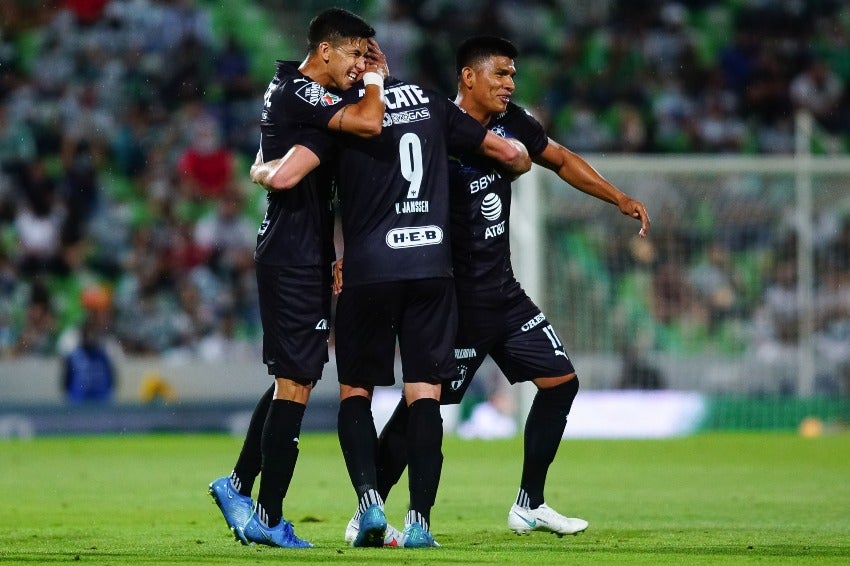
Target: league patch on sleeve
<point>314,94</point>
<point>329,99</point>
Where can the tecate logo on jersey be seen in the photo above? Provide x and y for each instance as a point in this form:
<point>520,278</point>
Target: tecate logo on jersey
<point>399,238</point>
<point>404,96</point>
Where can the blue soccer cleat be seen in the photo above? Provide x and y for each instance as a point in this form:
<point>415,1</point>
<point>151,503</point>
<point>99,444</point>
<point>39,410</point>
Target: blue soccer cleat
<point>282,535</point>
<point>393,536</point>
<point>415,536</point>
<point>373,527</point>
<point>235,507</point>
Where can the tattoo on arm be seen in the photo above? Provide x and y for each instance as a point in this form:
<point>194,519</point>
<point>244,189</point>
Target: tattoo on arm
<point>341,115</point>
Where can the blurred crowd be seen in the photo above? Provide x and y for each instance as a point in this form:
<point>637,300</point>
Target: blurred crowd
<point>127,126</point>
<point>649,75</point>
<point>124,127</point>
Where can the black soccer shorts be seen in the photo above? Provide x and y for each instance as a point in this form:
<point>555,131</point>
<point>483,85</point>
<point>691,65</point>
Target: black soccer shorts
<point>420,313</point>
<point>515,334</point>
<point>295,307</point>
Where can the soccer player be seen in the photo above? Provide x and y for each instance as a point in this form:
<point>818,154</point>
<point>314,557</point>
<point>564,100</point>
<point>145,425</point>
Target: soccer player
<point>293,258</point>
<point>496,317</point>
<point>393,193</point>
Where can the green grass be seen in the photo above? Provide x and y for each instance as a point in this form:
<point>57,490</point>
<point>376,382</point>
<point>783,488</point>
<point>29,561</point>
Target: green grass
<point>712,499</point>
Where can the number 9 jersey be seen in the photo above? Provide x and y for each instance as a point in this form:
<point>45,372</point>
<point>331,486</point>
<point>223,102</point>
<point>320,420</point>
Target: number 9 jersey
<point>394,188</point>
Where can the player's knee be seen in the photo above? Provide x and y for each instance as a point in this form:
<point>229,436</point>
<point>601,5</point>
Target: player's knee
<point>561,395</point>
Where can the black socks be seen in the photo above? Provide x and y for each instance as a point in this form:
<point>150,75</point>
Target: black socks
<point>359,442</point>
<point>392,449</point>
<point>250,459</point>
<point>544,429</point>
<point>280,452</point>
<point>425,456</point>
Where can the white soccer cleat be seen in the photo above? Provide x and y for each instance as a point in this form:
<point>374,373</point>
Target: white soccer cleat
<point>393,537</point>
<point>351,530</point>
<point>522,521</point>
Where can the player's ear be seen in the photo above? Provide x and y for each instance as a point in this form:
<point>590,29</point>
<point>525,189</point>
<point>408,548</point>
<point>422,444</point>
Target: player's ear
<point>467,77</point>
<point>324,51</point>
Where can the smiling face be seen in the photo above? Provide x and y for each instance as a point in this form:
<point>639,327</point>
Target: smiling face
<point>492,83</point>
<point>489,85</point>
<point>346,61</point>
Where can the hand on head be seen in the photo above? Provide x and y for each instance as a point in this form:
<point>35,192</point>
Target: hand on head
<point>376,61</point>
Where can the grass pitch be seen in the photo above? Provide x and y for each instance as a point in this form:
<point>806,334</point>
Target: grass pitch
<point>708,499</point>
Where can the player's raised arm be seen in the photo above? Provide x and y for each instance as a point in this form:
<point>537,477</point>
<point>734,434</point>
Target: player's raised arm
<point>365,118</point>
<point>580,174</point>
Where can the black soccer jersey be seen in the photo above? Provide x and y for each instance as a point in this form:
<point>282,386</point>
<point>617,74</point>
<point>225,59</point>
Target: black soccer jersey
<point>480,210</point>
<point>393,189</point>
<point>298,227</point>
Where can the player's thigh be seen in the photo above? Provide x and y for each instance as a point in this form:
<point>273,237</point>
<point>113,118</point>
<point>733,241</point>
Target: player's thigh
<point>365,331</point>
<point>531,348</point>
<point>427,331</point>
<point>295,304</point>
<point>479,330</point>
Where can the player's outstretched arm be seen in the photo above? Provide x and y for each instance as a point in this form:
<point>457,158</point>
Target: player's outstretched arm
<point>509,152</point>
<point>285,172</point>
<point>580,174</point>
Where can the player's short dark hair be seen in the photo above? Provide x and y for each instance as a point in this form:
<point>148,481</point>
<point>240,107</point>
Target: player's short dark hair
<point>478,48</point>
<point>336,24</point>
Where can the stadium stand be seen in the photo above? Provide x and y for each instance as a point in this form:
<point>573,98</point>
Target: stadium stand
<point>97,108</point>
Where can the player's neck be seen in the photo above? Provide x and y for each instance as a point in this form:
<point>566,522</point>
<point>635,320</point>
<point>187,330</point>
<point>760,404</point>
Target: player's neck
<point>466,104</point>
<point>313,69</point>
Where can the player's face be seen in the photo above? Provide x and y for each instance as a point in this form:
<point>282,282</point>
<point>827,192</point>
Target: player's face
<point>346,62</point>
<point>494,83</point>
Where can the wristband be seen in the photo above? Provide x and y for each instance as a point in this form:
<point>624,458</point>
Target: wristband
<point>373,78</point>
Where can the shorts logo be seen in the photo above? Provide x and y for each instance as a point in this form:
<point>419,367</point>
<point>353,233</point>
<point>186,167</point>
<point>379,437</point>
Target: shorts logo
<point>322,324</point>
<point>461,373</point>
<point>313,94</point>
<point>556,342</point>
<point>465,353</point>
<point>415,236</point>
